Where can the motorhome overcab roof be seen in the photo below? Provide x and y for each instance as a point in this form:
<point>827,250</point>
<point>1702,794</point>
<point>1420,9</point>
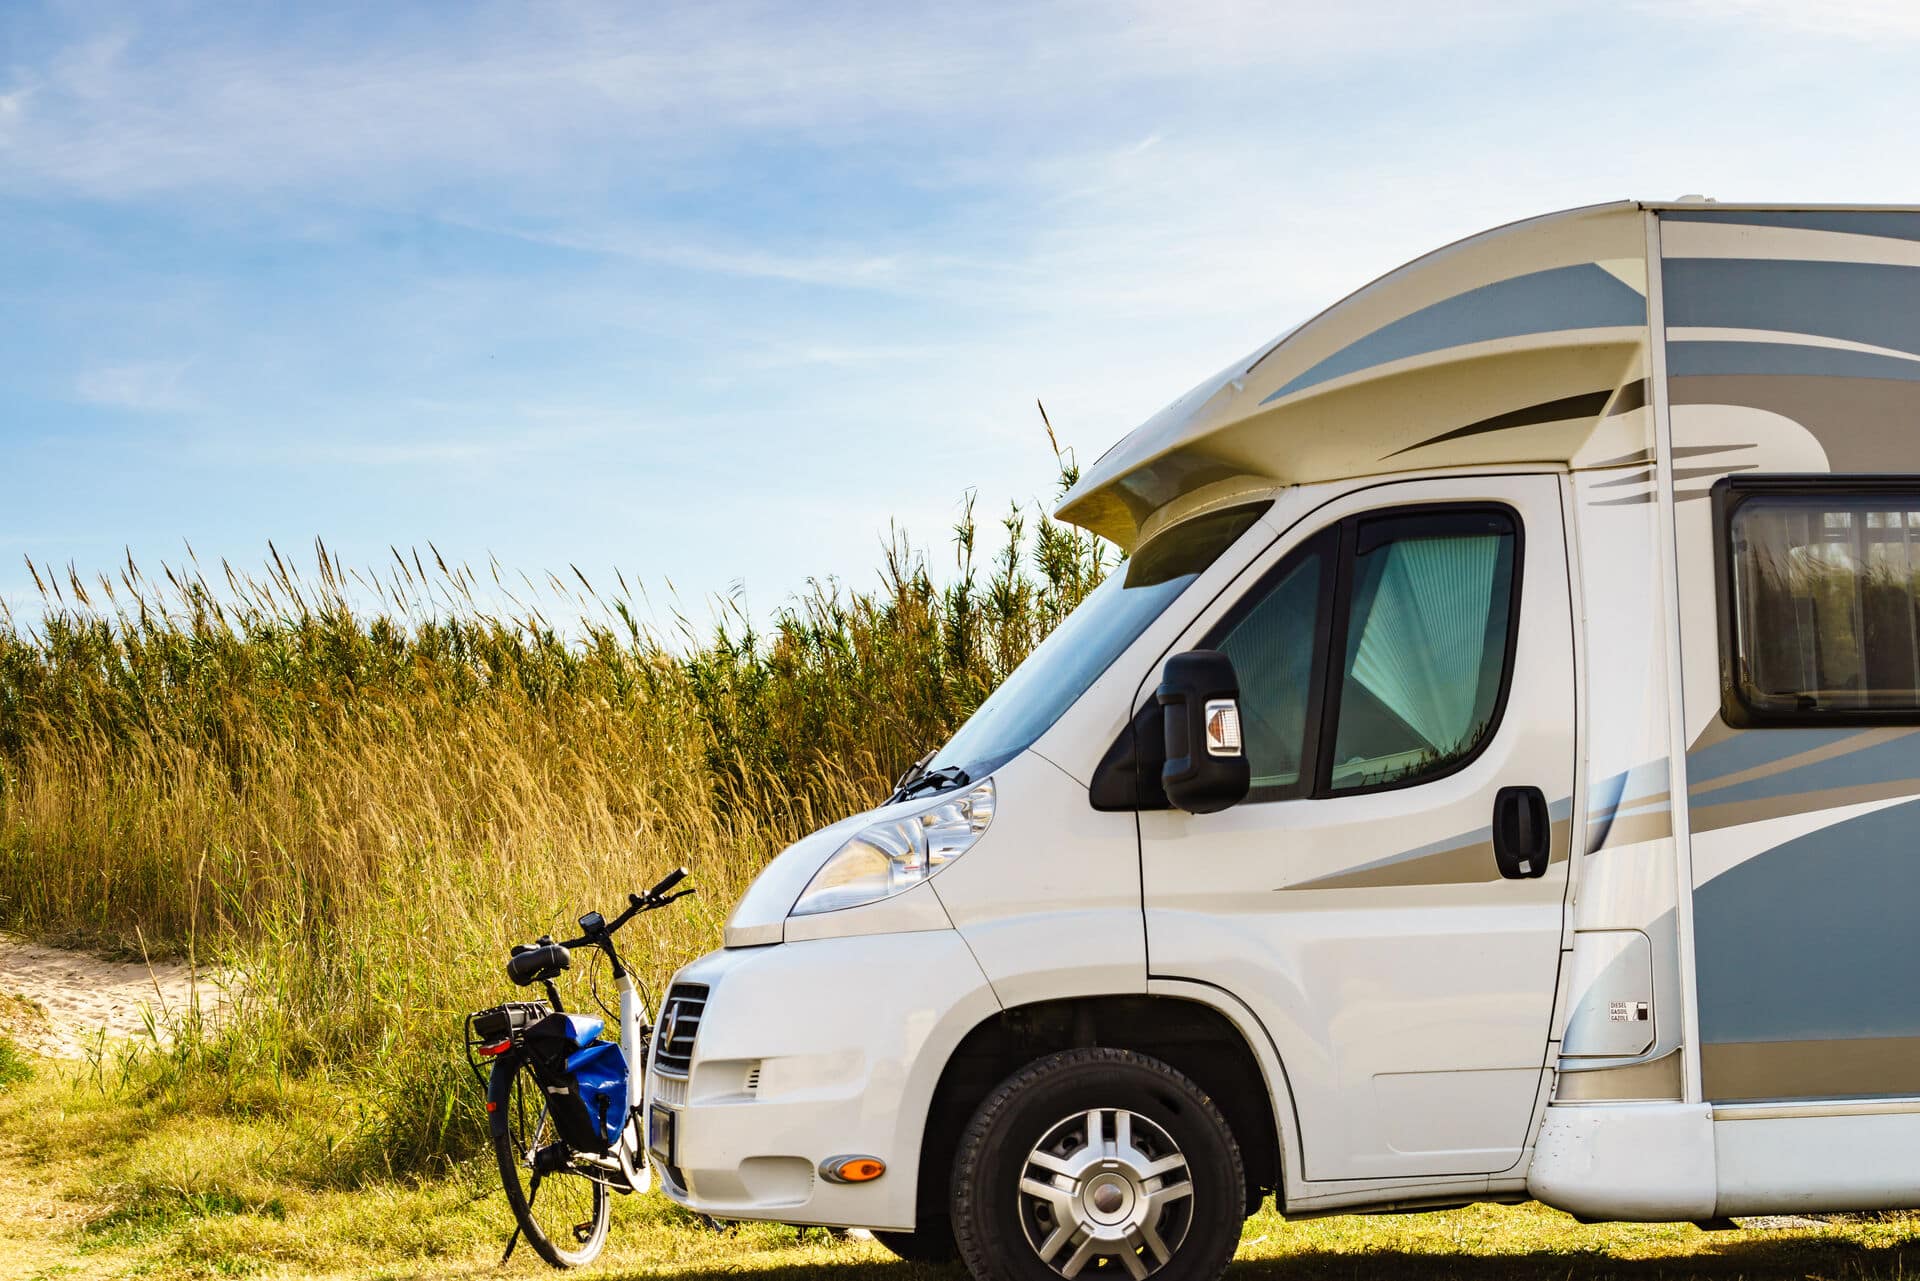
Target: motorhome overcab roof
<point>1524,344</point>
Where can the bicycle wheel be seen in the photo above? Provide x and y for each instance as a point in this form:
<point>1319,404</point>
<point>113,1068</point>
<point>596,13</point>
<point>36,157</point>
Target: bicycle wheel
<point>562,1212</point>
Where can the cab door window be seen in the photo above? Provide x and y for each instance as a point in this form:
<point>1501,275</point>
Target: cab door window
<point>1427,646</point>
<point>1273,639</point>
<point>1419,605</point>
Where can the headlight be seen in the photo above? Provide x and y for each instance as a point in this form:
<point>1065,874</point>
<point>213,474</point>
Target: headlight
<point>898,853</point>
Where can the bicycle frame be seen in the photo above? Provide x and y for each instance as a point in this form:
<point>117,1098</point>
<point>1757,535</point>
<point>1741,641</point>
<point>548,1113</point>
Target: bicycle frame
<point>621,1166</point>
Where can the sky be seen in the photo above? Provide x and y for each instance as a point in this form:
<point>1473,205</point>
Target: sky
<point>719,294</point>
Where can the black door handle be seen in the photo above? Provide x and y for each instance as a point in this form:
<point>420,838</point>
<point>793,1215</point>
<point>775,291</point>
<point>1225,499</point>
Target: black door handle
<point>1522,834</point>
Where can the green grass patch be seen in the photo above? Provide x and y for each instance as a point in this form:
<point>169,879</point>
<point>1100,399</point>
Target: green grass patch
<point>14,1067</point>
<point>121,1182</point>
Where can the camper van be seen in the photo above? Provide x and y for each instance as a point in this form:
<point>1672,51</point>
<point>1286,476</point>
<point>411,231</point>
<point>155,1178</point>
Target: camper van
<point>1493,773</point>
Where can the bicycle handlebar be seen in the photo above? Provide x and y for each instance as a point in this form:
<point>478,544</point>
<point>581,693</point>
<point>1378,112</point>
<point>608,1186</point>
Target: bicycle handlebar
<point>657,897</point>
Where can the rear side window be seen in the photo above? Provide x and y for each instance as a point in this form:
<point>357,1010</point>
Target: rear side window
<point>1818,593</point>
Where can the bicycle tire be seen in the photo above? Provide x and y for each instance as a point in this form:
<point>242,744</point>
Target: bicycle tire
<point>562,1212</point>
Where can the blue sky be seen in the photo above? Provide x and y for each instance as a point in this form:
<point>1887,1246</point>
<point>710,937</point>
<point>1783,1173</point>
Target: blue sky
<point>713,293</point>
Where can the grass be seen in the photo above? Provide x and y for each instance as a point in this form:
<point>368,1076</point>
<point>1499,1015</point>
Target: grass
<point>105,1183</point>
<point>14,1067</point>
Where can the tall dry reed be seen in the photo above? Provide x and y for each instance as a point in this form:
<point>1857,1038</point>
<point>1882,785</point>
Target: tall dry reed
<point>357,788</point>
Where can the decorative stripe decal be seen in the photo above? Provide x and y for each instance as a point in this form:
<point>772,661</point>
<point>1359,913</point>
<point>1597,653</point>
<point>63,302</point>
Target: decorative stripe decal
<point>1644,457</point>
<point>1655,1079</point>
<point>1470,861</point>
<point>1838,1068</point>
<point>1709,333</point>
<point>1771,359</point>
<point>1584,296</point>
<point>1826,745</point>
<point>1590,404</point>
<point>1862,302</point>
<point>1586,405</point>
<point>1860,759</point>
<point>1809,942</point>
<point>1640,477</point>
<point>1859,422</point>
<point>1888,224</point>
<point>1711,817</point>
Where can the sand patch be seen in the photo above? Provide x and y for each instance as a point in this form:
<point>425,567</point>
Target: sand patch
<point>59,1003</point>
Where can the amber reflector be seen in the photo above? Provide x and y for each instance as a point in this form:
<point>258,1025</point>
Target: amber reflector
<point>852,1169</point>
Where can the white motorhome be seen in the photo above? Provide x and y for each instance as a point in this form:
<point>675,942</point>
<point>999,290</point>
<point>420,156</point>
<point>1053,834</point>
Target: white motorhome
<point>1533,637</point>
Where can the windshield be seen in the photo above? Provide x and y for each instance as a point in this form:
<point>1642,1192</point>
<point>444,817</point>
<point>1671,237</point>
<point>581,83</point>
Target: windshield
<point>1085,644</point>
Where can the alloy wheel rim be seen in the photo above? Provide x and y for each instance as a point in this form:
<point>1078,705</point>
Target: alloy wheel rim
<point>1106,1189</point>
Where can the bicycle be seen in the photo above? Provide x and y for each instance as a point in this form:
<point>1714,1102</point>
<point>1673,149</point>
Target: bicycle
<point>563,1108</point>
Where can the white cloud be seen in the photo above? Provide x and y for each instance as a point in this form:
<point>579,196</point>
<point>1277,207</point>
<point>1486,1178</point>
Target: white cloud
<point>1846,19</point>
<point>130,111</point>
<point>145,386</point>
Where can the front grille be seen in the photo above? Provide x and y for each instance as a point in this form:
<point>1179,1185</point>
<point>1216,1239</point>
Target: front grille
<point>679,1025</point>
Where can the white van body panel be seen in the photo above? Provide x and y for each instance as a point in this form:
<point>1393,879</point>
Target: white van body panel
<point>1049,900</point>
<point>848,1038</point>
<point>1859,1159</point>
<point>1650,1161</point>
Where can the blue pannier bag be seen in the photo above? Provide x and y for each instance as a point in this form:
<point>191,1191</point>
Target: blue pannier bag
<point>600,1074</point>
<point>584,1080</point>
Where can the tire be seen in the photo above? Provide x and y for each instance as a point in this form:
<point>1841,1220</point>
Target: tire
<point>1097,1162</point>
<point>930,1243</point>
<point>562,1213</point>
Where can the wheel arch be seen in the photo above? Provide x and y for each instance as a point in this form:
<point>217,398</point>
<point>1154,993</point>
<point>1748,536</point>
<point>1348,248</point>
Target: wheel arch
<point>1193,1028</point>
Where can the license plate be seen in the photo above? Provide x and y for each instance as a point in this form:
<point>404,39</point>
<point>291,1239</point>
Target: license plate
<point>660,1133</point>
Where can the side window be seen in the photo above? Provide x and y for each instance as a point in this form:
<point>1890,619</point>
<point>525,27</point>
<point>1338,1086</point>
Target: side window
<point>1273,645</point>
<point>1413,611</point>
<point>1819,621</point>
<point>1427,645</point>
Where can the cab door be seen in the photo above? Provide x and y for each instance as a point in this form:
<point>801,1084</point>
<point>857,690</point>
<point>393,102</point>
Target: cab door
<point>1406,668</point>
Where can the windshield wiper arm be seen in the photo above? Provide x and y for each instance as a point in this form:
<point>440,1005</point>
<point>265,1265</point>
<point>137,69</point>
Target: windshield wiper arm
<point>933,781</point>
<point>914,771</point>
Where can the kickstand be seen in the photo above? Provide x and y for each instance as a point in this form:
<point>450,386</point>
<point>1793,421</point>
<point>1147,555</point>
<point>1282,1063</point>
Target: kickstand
<point>533,1192</point>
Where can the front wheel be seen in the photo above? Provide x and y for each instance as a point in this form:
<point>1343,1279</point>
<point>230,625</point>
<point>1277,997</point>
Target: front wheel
<point>1098,1162</point>
<point>562,1212</point>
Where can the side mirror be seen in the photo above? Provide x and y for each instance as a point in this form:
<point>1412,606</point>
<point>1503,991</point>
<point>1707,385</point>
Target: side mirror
<point>1199,696</point>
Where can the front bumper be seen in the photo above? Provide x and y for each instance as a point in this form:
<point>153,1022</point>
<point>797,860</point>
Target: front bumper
<point>814,1050</point>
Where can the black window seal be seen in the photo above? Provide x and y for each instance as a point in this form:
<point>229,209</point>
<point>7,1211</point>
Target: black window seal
<point>1728,495</point>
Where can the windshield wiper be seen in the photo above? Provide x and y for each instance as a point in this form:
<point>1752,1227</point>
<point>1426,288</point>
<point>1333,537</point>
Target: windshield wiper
<point>914,771</point>
<point>938,780</point>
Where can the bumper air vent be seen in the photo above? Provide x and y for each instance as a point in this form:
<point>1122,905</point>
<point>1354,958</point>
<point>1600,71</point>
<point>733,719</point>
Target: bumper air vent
<point>679,1025</point>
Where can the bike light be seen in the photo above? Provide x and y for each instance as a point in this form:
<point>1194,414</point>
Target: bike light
<point>852,1169</point>
<point>898,853</point>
